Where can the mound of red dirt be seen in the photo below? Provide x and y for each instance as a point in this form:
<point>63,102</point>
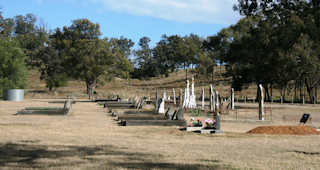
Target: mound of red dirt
<point>285,130</point>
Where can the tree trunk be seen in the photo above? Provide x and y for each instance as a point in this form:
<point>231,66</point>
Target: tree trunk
<point>257,92</point>
<point>267,95</point>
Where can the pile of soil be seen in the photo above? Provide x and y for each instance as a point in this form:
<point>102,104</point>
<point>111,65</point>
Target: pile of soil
<point>285,130</point>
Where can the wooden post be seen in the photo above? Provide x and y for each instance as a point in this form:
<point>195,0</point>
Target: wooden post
<point>245,99</point>
<point>281,99</point>
<point>232,98</point>
<point>261,102</point>
<point>303,100</point>
<point>157,101</point>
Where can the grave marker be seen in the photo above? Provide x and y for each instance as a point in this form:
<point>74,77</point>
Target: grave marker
<point>261,102</point>
<point>304,118</point>
<point>174,97</point>
<point>192,102</point>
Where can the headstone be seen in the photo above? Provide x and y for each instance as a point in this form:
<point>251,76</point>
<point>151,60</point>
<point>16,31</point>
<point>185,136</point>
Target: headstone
<point>202,104</point>
<point>217,103</point>
<point>167,114</point>
<point>178,115</point>
<point>218,122</point>
<point>192,102</point>
<point>161,107</point>
<point>304,118</point>
<point>261,102</point>
<point>67,106</point>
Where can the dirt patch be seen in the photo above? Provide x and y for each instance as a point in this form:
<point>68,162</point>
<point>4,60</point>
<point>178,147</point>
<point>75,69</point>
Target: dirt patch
<point>285,130</point>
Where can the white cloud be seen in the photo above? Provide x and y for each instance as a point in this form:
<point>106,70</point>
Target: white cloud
<point>188,11</point>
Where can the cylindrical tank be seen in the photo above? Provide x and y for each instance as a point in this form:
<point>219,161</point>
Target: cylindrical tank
<point>13,95</point>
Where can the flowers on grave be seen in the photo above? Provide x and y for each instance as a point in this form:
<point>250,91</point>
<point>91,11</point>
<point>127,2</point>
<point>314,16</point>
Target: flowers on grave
<point>195,123</point>
<point>209,124</point>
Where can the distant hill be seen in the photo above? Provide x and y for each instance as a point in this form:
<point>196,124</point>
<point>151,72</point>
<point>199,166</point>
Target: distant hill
<point>133,87</point>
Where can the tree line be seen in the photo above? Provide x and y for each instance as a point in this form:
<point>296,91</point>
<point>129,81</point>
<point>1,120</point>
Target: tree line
<point>276,44</point>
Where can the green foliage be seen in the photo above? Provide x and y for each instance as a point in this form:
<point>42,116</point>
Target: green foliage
<point>145,62</point>
<point>277,42</point>
<point>13,70</point>
<point>169,54</point>
<point>51,66</point>
<point>86,57</point>
<point>30,36</point>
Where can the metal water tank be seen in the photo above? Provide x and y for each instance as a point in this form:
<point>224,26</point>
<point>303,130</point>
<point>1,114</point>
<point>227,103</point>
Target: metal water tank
<point>14,95</point>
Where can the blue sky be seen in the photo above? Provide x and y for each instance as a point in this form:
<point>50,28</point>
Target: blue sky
<point>132,18</point>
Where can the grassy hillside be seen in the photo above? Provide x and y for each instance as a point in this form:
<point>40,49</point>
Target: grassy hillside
<point>133,87</point>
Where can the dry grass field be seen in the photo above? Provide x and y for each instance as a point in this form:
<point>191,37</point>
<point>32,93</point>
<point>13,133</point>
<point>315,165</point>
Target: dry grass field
<point>89,139</point>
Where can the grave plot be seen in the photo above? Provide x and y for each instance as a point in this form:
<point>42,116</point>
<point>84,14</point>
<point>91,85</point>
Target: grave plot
<point>172,117</point>
<point>285,130</point>
<point>66,109</point>
<point>135,103</point>
<point>139,117</point>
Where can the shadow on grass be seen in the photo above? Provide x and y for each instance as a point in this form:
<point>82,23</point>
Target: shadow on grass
<point>13,155</point>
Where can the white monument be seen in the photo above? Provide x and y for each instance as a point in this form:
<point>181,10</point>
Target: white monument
<point>192,102</point>
<point>186,96</point>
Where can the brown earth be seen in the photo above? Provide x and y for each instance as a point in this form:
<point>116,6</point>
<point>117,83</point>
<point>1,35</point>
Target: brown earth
<point>285,130</point>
